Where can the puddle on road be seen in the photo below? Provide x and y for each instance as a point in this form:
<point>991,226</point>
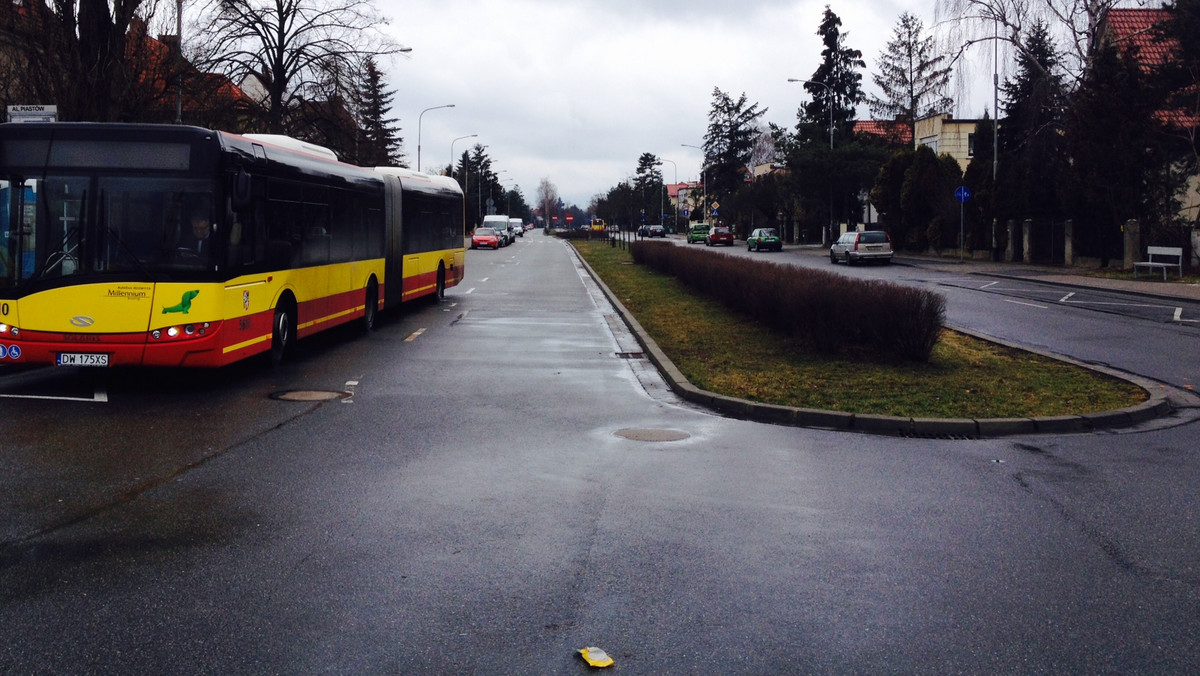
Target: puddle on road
<point>650,434</point>
<point>308,395</point>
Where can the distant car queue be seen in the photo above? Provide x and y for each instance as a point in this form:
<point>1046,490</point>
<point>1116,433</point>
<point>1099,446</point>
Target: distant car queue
<point>852,247</point>
<point>498,231</point>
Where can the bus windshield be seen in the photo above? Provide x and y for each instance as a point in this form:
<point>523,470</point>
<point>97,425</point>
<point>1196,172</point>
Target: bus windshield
<point>60,226</point>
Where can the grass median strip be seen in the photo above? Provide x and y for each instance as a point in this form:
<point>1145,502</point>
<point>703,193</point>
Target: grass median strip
<point>720,351</point>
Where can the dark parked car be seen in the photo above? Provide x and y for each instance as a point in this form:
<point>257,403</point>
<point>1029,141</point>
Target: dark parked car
<point>855,247</point>
<point>719,234</point>
<point>764,239</point>
<point>656,231</point>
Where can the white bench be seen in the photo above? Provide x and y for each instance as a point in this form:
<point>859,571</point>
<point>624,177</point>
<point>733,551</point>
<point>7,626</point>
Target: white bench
<point>1156,254</point>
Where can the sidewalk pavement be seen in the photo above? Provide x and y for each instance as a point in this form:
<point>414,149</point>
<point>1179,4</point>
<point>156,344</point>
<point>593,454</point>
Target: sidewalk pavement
<point>1160,403</point>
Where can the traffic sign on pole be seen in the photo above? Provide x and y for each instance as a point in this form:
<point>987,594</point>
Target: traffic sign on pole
<point>962,194</point>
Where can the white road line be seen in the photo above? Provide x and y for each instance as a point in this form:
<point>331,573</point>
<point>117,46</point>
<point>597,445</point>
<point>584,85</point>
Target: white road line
<point>1179,316</point>
<point>1066,297</point>
<point>100,397</point>
<point>988,285</point>
<point>414,335</point>
<point>1017,302</point>
<point>469,290</point>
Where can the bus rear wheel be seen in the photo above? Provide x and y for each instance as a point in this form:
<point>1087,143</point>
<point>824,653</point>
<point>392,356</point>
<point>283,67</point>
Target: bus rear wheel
<point>283,333</point>
<point>371,306</point>
<point>440,293</point>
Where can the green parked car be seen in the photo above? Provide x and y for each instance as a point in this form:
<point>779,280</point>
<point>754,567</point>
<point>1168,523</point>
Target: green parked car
<point>764,239</point>
<point>697,233</point>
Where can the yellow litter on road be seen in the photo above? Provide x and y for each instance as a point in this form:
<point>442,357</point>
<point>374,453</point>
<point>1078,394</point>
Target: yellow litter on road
<point>596,657</point>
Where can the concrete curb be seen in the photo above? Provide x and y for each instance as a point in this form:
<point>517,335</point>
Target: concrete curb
<point>1157,405</point>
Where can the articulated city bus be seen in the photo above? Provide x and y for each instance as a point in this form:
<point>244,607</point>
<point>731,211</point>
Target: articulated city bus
<point>161,245</point>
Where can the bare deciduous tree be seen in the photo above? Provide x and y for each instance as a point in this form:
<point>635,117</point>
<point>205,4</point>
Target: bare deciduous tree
<point>1075,25</point>
<point>288,47</point>
<point>547,199</point>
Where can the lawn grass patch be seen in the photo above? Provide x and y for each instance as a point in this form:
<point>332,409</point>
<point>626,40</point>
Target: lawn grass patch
<point>724,352</point>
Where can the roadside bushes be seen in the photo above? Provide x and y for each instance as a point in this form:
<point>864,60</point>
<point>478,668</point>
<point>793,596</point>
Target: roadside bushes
<point>823,310</point>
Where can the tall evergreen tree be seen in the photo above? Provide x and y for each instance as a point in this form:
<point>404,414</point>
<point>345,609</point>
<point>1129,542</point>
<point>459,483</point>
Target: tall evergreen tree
<point>381,142</point>
<point>648,184</point>
<point>1118,159</point>
<point>836,85</point>
<point>1031,153</point>
<point>1180,77</point>
<point>826,182</point>
<point>982,230</point>
<point>729,142</point>
<point>911,75</point>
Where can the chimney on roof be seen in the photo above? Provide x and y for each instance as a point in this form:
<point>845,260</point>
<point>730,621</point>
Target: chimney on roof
<point>172,44</point>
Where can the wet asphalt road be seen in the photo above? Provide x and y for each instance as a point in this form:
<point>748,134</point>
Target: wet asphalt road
<point>473,503</point>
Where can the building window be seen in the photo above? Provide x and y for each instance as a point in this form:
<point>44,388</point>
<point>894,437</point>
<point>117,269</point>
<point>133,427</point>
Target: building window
<point>931,142</point>
<point>970,145</point>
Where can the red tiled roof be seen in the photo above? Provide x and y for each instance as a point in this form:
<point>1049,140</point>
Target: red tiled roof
<point>1135,28</point>
<point>1134,32</point>
<point>896,132</point>
<point>674,188</point>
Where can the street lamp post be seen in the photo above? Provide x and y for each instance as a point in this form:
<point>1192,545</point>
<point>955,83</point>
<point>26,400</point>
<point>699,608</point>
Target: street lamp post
<point>448,105</point>
<point>452,151</point>
<point>829,101</point>
<point>507,195</point>
<point>479,186</point>
<point>703,182</point>
<point>829,94</point>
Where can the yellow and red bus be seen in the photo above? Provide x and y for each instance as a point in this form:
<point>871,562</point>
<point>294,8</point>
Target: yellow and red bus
<point>159,245</point>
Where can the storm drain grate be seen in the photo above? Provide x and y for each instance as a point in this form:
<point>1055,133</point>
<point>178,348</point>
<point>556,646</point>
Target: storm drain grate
<point>631,355</point>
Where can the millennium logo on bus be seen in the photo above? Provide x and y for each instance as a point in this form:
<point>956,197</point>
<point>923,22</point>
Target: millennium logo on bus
<point>82,321</point>
<point>132,293</point>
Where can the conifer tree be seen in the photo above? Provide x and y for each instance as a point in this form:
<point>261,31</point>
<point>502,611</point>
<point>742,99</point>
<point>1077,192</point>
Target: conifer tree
<point>729,142</point>
<point>381,142</point>
<point>1119,161</point>
<point>911,76</point>
<point>1180,77</point>
<point>837,82</point>
<point>1031,152</point>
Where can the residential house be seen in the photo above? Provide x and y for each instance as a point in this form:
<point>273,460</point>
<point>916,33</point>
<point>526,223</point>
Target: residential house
<point>944,134</point>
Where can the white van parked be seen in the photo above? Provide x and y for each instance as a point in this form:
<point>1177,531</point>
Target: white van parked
<point>500,223</point>
<point>516,227</point>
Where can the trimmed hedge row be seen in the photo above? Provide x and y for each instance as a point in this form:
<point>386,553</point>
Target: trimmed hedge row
<point>823,310</point>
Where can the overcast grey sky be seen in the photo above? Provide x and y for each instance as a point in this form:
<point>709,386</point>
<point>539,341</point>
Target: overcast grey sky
<point>576,90</point>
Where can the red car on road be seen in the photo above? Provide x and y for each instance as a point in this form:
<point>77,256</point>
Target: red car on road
<point>719,235</point>
<point>485,237</point>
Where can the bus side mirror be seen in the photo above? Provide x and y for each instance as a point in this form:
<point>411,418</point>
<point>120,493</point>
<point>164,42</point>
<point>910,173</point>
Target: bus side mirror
<point>242,189</point>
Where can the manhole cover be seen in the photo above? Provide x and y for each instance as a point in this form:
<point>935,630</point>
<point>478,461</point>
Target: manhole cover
<point>642,434</point>
<point>309,395</point>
